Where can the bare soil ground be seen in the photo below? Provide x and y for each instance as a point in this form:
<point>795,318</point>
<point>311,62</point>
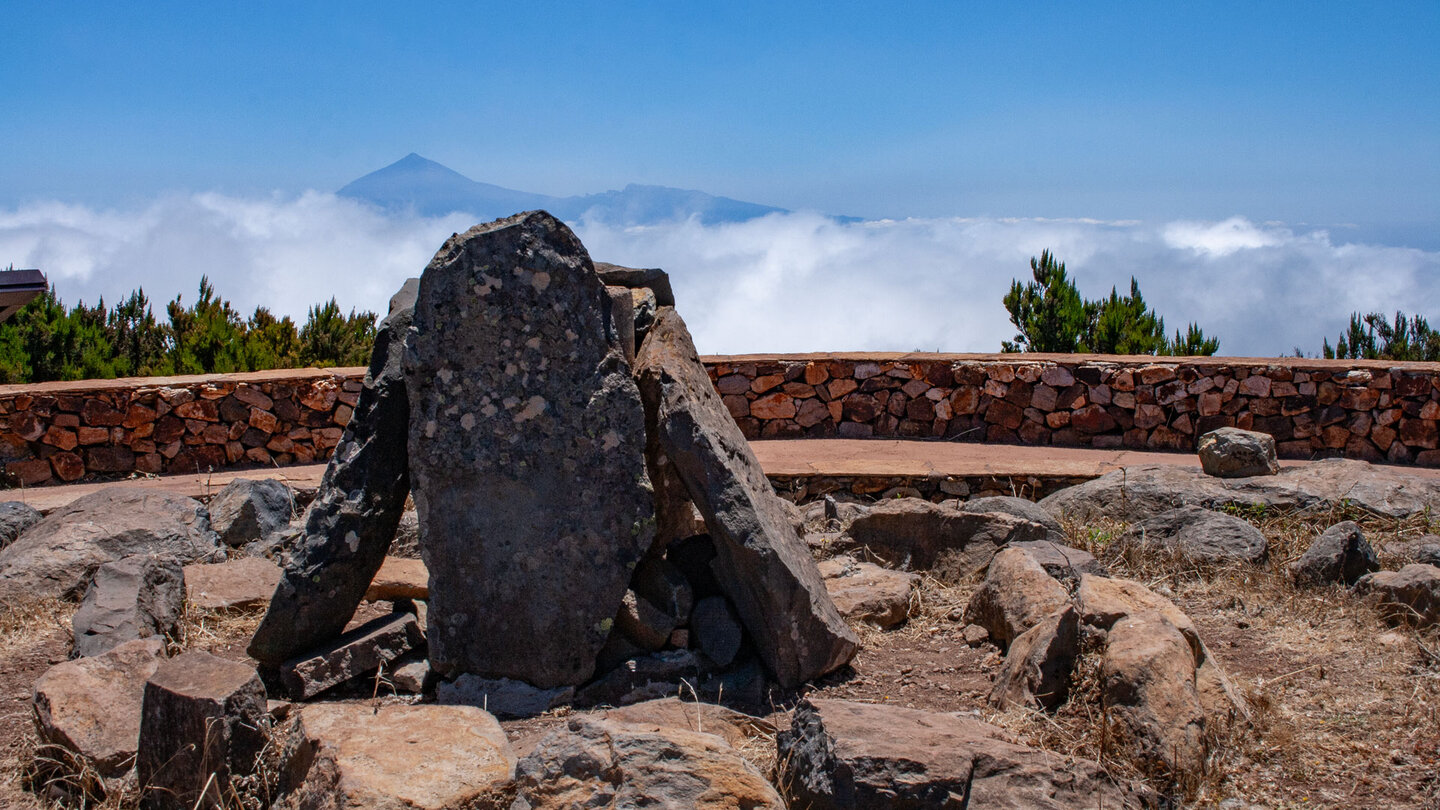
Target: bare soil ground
<point>1344,711</point>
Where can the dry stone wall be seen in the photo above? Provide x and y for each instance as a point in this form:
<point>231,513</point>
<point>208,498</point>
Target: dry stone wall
<point>1376,411</point>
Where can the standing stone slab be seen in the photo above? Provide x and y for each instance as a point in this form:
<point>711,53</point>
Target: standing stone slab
<point>526,451</point>
<point>203,721</point>
<point>764,568</point>
<point>352,521</point>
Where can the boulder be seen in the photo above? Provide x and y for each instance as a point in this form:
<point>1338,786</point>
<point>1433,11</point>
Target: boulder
<point>1136,493</point>
<point>762,565</point>
<point>247,510</point>
<point>522,404</point>
<point>840,755</point>
<point>399,578</point>
<point>590,762</point>
<point>1017,595</point>
<point>203,722</point>
<point>912,533</point>
<point>243,584</point>
<point>1103,601</point>
<point>1037,668</point>
<point>393,757</point>
<point>57,556</point>
<point>662,584</point>
<point>132,598</point>
<point>1234,453</point>
<point>864,592</point>
<point>646,626</point>
<point>90,707</point>
<point>410,673</point>
<point>16,517</point>
<point>1201,535</point>
<point>351,522</point>
<point>503,697</point>
<point>1060,561</point>
<point>1408,596</point>
<point>355,653</point>
<point>716,630</point>
<point>1339,554</point>
<point>1016,507</point>
<point>735,728</point>
<point>1147,676</point>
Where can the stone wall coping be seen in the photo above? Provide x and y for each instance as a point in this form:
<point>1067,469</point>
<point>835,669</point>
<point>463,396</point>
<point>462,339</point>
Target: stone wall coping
<point>357,372</point>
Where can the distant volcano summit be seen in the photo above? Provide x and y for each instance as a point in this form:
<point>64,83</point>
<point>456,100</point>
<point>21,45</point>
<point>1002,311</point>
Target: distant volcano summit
<point>430,189</point>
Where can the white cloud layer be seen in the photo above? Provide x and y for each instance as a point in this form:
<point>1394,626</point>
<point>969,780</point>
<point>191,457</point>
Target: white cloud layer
<point>783,283</point>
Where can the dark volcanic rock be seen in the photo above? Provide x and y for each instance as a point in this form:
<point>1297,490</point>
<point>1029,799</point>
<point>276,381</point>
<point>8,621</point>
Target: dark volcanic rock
<point>839,755</point>
<point>247,510</point>
<point>526,453</point>
<point>763,566</point>
<point>1339,554</point>
<point>916,534</point>
<point>16,517</point>
<point>57,556</point>
<point>1202,535</point>
<point>132,598</point>
<point>351,523</point>
<point>377,642</point>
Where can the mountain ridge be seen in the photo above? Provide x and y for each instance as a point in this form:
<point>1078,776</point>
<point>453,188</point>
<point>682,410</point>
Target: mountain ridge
<point>429,188</point>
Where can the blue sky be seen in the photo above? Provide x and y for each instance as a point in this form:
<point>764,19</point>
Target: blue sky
<point>1314,113</point>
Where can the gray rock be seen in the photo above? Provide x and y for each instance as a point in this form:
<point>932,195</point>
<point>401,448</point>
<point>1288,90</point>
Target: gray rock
<point>1427,553</point>
<point>1017,507</point>
<point>91,706</point>
<point>1135,493</point>
<point>351,523</point>
<point>1060,561</point>
<point>203,722</point>
<point>1201,535</point>
<point>57,556</point>
<point>16,517</point>
<point>1339,554</point>
<point>1408,596</point>
<point>643,677</point>
<point>590,762</point>
<point>761,563</point>
<point>1234,453</point>
<point>503,697</point>
<point>716,630</point>
<point>840,755</point>
<point>526,451</point>
<point>132,598</point>
<point>647,626</point>
<point>911,533</point>
<point>654,279</point>
<point>247,510</point>
<point>355,653</point>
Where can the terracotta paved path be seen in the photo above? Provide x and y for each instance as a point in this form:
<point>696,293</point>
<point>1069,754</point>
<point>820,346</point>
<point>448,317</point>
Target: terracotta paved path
<point>805,457</point>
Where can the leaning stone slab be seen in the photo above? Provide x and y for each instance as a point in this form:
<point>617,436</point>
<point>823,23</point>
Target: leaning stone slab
<point>1340,554</point>
<point>57,556</point>
<point>203,722</point>
<point>841,755</point>
<point>351,755</point>
<point>247,510</point>
<point>243,584</point>
<point>590,762</point>
<point>132,598</point>
<point>502,697</point>
<point>526,451</point>
<point>367,647</point>
<point>1234,453</point>
<point>351,523</point>
<point>91,706</point>
<point>762,564</point>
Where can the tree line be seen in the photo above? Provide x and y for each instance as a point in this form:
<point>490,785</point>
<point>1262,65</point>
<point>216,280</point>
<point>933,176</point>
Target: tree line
<point>46,341</point>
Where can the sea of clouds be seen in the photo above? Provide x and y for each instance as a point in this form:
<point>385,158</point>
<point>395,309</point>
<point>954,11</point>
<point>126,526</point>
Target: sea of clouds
<point>782,283</point>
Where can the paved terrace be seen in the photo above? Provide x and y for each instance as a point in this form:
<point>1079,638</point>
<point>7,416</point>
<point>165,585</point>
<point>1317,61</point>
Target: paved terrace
<point>871,466</point>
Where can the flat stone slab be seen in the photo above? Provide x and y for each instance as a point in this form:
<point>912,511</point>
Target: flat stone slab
<point>243,584</point>
<point>526,454</point>
<point>355,653</point>
<point>399,578</point>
